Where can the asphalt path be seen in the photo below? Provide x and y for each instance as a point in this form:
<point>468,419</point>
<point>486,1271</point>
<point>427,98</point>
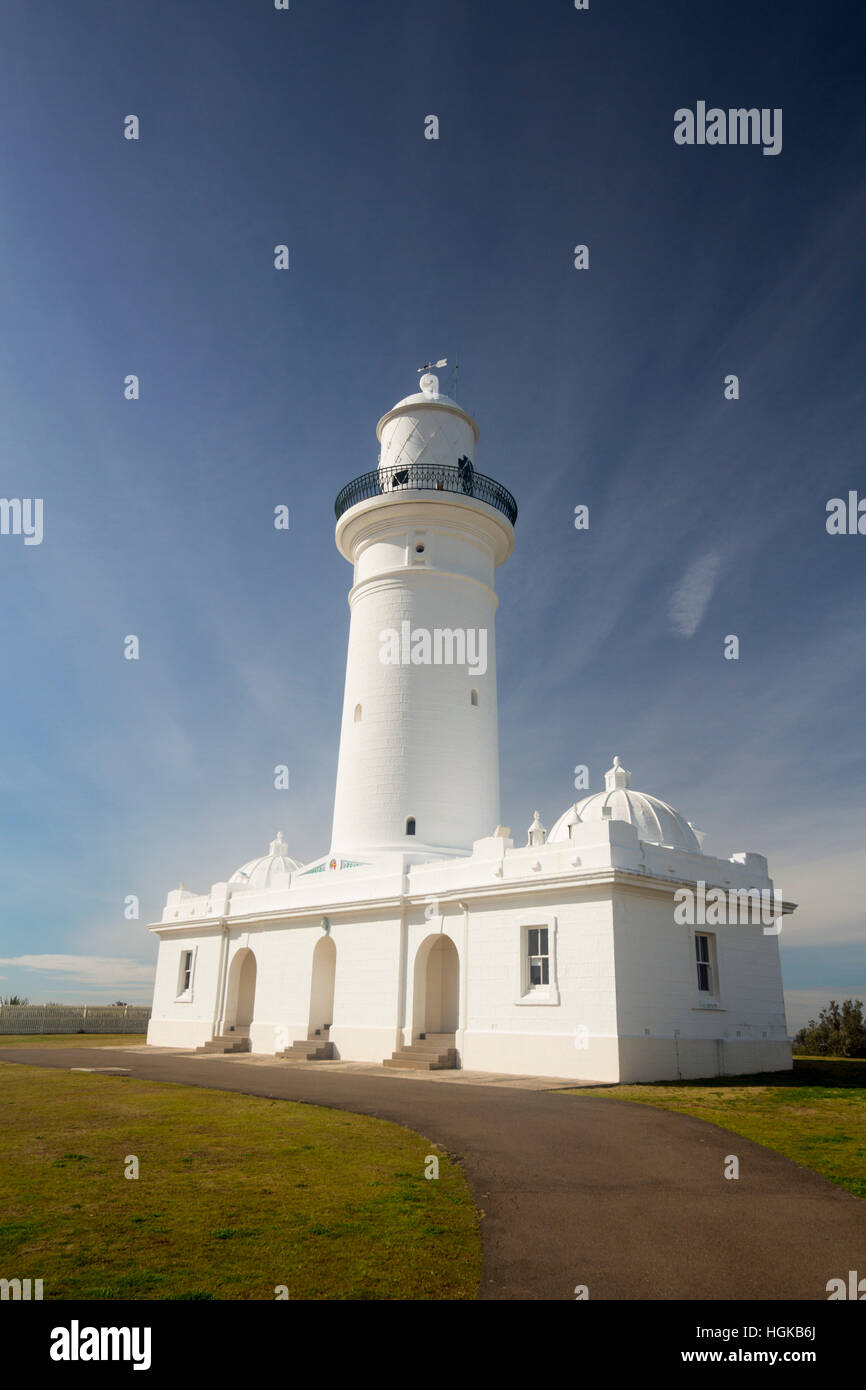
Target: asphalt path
<point>630,1201</point>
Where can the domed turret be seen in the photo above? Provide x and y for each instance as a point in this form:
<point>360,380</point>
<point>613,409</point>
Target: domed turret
<point>426,428</point>
<point>263,872</point>
<point>656,823</point>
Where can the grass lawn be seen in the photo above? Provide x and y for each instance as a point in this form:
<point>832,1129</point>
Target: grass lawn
<point>236,1195</point>
<point>72,1039</point>
<point>815,1115</point>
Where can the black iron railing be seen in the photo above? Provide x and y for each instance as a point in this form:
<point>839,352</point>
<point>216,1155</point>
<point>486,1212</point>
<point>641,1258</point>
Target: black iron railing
<point>428,477</point>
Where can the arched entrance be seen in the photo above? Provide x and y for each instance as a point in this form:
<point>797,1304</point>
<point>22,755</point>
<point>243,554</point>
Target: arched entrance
<point>241,992</point>
<point>322,986</point>
<point>437,986</point>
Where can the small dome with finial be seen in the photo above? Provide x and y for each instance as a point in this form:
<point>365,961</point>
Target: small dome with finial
<point>261,873</point>
<point>656,823</point>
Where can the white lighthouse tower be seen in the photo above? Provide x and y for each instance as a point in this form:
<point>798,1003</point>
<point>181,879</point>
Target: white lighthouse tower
<point>426,938</point>
<point>419,757</point>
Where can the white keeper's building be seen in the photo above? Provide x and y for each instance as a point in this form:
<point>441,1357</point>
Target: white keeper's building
<point>426,936</point>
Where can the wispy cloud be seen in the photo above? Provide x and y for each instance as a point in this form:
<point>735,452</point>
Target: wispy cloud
<point>95,970</point>
<point>692,595</point>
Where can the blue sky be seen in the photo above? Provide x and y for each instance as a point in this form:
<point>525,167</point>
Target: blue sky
<point>258,387</point>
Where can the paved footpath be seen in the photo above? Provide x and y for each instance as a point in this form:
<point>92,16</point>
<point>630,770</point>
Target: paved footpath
<point>629,1200</point>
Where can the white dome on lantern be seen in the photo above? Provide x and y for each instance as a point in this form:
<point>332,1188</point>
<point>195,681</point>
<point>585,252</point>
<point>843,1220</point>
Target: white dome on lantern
<point>262,872</point>
<point>426,428</point>
<point>656,823</point>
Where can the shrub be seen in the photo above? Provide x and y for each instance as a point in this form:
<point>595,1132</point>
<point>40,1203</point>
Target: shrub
<point>839,1032</point>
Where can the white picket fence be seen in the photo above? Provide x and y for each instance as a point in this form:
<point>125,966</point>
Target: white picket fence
<point>69,1018</point>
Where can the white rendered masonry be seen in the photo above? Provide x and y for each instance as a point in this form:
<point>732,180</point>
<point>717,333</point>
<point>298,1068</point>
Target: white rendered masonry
<point>419,739</point>
<point>622,1002</point>
<point>563,957</point>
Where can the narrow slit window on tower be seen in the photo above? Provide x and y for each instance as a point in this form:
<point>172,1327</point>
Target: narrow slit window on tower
<point>358,713</point>
<point>410,826</point>
<point>473,698</point>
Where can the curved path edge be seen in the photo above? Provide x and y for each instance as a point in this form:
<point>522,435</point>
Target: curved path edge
<point>626,1199</point>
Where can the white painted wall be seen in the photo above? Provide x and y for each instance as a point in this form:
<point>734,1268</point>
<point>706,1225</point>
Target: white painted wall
<point>668,1029</point>
<point>622,1002</point>
<point>420,748</point>
<point>185,1020</point>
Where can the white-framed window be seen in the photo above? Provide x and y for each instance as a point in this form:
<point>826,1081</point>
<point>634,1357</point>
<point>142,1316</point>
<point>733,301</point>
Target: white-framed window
<point>537,956</point>
<point>706,967</point>
<point>537,965</point>
<point>185,973</point>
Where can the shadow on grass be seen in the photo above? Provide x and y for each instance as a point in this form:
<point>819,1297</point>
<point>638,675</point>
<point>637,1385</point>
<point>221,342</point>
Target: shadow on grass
<point>831,1072</point>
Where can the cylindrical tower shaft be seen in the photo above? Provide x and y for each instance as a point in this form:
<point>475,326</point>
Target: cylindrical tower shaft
<point>419,759</point>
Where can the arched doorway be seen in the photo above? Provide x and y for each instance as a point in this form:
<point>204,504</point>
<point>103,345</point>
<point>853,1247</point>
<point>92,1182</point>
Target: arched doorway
<point>437,986</point>
<point>241,993</point>
<point>322,986</point>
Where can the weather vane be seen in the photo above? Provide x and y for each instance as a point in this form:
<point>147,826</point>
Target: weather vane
<point>429,366</point>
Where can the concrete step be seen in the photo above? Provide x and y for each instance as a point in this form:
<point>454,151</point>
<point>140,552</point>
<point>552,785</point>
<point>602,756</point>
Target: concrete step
<point>309,1050</point>
<point>429,1063</point>
<point>435,1052</point>
<point>422,1050</point>
<point>432,1042</point>
<point>430,1052</point>
<point>230,1042</point>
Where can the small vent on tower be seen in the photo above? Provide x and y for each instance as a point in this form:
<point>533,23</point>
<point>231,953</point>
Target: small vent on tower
<point>410,826</point>
<point>358,713</point>
<point>473,698</point>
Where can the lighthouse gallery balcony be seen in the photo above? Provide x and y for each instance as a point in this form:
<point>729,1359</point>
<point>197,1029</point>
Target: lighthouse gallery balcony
<point>427,477</point>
